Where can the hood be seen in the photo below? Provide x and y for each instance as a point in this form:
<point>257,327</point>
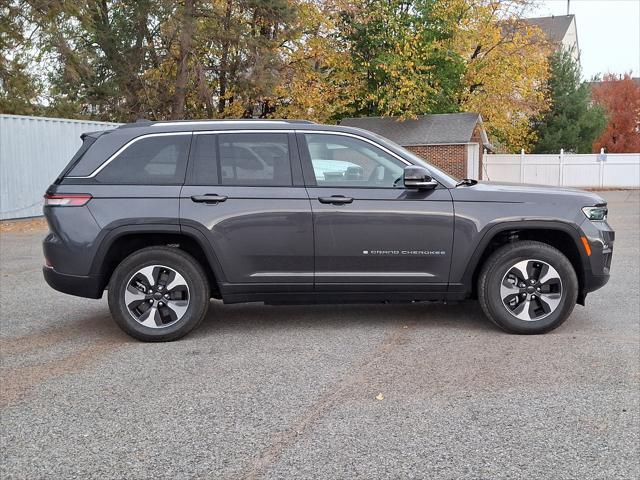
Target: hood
<point>521,193</point>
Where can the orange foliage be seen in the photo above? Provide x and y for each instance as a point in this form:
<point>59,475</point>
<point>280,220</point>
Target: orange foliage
<point>620,97</point>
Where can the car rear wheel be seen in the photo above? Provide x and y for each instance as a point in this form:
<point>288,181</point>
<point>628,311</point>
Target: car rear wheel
<point>527,287</point>
<point>158,294</point>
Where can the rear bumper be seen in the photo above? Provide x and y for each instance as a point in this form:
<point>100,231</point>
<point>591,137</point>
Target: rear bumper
<point>90,286</point>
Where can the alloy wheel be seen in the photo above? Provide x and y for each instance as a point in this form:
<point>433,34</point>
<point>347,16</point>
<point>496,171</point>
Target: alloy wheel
<point>531,290</point>
<point>157,296</point>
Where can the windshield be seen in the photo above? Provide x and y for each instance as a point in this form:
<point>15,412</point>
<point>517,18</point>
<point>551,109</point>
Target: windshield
<point>416,159</point>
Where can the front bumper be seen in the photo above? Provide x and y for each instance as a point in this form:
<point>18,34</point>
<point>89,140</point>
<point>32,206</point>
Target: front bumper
<point>90,286</point>
<point>594,282</point>
<point>598,265</point>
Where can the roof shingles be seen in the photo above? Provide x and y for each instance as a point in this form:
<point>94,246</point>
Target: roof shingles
<point>554,27</point>
<point>447,128</point>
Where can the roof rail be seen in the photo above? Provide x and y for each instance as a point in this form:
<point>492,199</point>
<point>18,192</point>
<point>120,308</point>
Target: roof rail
<point>138,123</point>
<point>164,123</point>
<point>234,120</point>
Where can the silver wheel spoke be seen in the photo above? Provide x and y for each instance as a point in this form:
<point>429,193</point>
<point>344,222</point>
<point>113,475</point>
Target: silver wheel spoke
<point>178,281</point>
<point>148,318</point>
<point>550,274</point>
<point>177,306</point>
<point>148,273</point>
<point>508,289</point>
<point>522,311</point>
<point>521,269</point>
<point>132,294</point>
<point>550,300</point>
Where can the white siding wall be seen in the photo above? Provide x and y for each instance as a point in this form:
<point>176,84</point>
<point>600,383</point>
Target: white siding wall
<point>33,151</point>
<point>570,41</point>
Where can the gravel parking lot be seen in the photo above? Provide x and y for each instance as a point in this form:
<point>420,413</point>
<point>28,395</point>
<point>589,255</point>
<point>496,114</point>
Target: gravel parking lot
<point>374,391</point>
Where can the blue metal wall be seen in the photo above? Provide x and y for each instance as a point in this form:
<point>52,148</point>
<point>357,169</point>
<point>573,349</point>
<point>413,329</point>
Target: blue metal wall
<point>33,151</point>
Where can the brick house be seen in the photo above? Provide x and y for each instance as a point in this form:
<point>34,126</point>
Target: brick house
<point>454,142</point>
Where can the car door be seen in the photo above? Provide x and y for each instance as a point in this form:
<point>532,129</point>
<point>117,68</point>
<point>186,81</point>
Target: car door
<point>245,191</point>
<point>370,232</point>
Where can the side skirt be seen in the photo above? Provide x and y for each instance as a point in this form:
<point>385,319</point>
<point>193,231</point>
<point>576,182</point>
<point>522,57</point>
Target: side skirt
<point>292,298</point>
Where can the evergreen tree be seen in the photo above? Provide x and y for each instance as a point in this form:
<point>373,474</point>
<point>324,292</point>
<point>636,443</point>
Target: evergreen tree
<point>573,123</point>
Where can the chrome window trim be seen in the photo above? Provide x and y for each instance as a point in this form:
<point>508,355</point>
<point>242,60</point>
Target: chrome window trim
<point>123,148</point>
<point>212,132</point>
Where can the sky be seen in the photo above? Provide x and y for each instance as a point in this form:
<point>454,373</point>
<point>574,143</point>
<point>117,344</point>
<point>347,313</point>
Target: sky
<point>608,33</point>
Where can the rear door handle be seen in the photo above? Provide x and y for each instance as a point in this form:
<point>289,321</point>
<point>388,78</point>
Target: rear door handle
<point>335,200</point>
<point>208,198</point>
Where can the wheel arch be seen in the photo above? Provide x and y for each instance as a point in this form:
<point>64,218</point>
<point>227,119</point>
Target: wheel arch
<point>120,242</point>
<point>563,236</point>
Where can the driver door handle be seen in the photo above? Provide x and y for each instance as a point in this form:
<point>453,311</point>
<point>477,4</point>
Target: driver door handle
<point>336,200</point>
<point>208,198</point>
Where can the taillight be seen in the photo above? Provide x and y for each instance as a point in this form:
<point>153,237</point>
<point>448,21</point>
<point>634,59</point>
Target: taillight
<point>66,199</point>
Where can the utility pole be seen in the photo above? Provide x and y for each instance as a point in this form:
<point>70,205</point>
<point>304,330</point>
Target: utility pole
<point>568,2</point>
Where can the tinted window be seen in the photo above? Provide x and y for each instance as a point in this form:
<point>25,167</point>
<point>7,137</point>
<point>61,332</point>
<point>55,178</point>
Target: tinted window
<point>341,161</point>
<point>203,157</point>
<point>254,159</point>
<point>149,161</point>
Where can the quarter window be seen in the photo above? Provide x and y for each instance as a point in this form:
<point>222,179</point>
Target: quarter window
<point>341,161</point>
<point>157,160</point>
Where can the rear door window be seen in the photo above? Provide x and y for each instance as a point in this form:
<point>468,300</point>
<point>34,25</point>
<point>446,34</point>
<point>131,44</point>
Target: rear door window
<point>153,160</point>
<point>260,159</point>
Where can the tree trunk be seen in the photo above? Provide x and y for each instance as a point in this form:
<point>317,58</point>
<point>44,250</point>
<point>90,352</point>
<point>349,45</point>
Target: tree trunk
<point>186,41</point>
<point>224,60</point>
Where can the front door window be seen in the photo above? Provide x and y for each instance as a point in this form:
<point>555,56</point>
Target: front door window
<point>342,161</point>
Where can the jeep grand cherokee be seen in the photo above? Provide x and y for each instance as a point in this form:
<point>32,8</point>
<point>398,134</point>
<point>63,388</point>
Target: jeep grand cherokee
<point>167,215</point>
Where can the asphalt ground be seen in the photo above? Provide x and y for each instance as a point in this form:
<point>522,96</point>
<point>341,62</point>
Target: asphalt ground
<point>373,391</point>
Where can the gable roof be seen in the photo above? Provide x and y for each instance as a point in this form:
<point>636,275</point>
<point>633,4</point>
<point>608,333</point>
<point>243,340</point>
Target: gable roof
<point>446,128</point>
<point>554,27</point>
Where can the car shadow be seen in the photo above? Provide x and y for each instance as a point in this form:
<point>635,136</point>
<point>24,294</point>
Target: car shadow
<point>257,316</point>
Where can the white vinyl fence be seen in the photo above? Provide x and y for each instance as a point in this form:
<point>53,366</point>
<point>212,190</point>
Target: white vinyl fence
<point>612,170</point>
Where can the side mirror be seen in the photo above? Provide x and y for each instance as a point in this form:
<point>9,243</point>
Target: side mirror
<point>418,177</point>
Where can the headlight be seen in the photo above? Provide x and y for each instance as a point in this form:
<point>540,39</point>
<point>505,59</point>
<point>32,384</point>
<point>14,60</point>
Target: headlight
<point>597,213</point>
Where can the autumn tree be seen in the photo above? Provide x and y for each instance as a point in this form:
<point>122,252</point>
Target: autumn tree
<point>227,56</point>
<point>620,98</point>
<point>398,48</point>
<point>573,123</point>
<point>317,79</point>
<point>506,67</point>
<point>320,59</point>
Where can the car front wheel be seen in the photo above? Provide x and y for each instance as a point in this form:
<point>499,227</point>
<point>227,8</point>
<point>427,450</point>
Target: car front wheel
<point>527,287</point>
<point>158,294</point>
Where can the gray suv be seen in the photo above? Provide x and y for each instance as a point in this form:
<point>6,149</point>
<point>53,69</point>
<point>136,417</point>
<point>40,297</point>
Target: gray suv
<point>167,215</point>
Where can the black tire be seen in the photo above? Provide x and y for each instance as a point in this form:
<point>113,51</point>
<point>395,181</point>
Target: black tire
<point>500,263</point>
<point>197,293</point>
